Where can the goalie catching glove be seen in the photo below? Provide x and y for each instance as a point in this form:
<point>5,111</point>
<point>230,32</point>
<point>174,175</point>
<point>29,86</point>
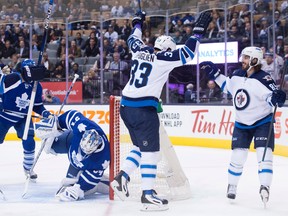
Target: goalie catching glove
<point>211,69</point>
<point>201,24</point>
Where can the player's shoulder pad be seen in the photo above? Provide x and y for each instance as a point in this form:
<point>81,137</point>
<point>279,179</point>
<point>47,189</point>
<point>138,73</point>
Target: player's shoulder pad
<point>238,72</point>
<point>12,78</point>
<point>266,79</point>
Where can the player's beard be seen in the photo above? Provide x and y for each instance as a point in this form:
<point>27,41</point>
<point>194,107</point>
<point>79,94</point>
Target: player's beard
<point>245,66</point>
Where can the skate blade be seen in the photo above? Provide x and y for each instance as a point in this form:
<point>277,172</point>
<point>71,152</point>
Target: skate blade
<point>114,185</point>
<point>153,207</point>
<point>264,197</point>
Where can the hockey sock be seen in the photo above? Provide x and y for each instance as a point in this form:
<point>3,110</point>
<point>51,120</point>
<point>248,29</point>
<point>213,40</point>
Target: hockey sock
<point>265,172</point>
<point>132,160</point>
<point>238,159</point>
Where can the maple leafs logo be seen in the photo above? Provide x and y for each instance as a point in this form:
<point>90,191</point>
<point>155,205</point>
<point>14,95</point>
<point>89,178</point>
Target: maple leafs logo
<point>22,102</point>
<point>81,127</point>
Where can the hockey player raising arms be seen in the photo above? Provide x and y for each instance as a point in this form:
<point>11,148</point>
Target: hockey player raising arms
<point>254,94</point>
<point>16,90</point>
<point>149,72</point>
<point>88,151</point>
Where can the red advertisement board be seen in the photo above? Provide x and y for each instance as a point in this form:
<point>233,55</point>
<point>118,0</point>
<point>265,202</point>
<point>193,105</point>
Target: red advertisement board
<point>59,89</point>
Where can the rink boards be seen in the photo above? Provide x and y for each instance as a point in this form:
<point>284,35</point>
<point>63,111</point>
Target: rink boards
<point>189,125</point>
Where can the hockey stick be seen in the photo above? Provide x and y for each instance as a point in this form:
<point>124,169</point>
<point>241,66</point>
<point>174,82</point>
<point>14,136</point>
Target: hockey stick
<point>76,76</point>
<point>21,114</point>
<point>139,5</point>
<point>272,120</point>
<point>34,89</point>
<point>2,195</point>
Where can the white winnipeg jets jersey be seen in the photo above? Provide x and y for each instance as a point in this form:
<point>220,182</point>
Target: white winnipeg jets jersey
<point>251,95</point>
<point>150,71</point>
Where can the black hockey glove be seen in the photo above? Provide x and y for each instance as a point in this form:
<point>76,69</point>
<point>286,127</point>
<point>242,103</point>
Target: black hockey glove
<point>211,69</point>
<point>278,97</point>
<point>139,18</point>
<point>201,24</point>
<point>33,73</point>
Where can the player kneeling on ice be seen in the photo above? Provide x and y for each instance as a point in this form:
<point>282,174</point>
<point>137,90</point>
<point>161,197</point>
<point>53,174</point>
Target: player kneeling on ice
<point>88,152</point>
<point>15,91</point>
<point>254,95</point>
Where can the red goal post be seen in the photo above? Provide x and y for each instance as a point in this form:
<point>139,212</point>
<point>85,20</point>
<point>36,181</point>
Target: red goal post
<point>171,182</point>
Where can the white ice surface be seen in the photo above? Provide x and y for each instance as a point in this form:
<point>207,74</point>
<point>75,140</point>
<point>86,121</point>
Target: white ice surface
<point>206,169</point>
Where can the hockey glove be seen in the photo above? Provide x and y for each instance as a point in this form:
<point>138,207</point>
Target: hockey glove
<point>33,73</point>
<point>211,69</point>
<point>201,24</point>
<point>139,19</point>
<point>278,98</point>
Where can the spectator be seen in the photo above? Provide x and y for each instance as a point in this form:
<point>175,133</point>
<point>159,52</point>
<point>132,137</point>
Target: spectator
<point>90,86</point>
<point>117,10</point>
<point>8,50</point>
<point>111,35</point>
<point>279,49</point>
<point>177,37</point>
<point>106,64</point>
<point>22,51</point>
<point>14,62</point>
<point>212,30</point>
<point>79,40</point>
<point>49,98</point>
<point>187,35</point>
<point>92,49</point>
<point>61,48</point>
<point>75,70</point>
<point>119,70</point>
<point>190,94</point>
<point>268,66</point>
<point>60,68</point>
<point>87,42</point>
<point>48,65</point>
<point>212,93</point>
<point>74,51</point>
<point>125,30</point>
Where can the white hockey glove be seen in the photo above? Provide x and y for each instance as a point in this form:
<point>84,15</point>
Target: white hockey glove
<point>72,193</point>
<point>47,128</point>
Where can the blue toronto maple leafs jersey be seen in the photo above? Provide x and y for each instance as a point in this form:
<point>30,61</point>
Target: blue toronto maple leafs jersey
<point>150,71</point>
<point>251,96</point>
<point>15,95</point>
<point>76,122</point>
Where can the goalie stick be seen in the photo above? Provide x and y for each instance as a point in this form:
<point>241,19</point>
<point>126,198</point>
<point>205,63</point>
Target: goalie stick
<point>34,89</point>
<point>76,76</point>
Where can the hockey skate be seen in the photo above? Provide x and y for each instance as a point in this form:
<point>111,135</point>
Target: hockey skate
<point>231,191</point>
<point>33,176</point>
<point>153,203</point>
<point>119,185</point>
<point>264,193</point>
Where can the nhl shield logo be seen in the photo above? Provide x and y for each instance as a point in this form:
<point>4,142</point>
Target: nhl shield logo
<point>241,99</point>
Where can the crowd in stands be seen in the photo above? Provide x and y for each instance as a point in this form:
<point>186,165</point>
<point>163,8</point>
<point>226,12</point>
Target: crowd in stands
<point>84,43</point>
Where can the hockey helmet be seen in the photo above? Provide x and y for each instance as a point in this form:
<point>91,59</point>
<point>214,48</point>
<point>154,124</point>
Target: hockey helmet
<point>90,141</point>
<point>24,69</point>
<point>165,43</point>
<point>255,54</point>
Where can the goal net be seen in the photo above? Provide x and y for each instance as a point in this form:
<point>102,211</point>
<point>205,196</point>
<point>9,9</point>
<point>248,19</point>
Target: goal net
<point>171,181</point>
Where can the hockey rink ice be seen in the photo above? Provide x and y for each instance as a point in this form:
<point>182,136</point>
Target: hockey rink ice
<point>206,169</point>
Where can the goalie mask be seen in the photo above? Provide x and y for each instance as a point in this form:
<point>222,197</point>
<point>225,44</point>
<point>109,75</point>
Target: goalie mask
<point>90,141</point>
<point>165,43</point>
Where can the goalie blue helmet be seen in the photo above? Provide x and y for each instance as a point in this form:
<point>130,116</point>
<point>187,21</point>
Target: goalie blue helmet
<point>90,141</point>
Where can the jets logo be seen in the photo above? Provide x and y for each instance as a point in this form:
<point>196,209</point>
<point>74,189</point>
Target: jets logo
<point>22,102</point>
<point>241,99</point>
<point>268,78</point>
